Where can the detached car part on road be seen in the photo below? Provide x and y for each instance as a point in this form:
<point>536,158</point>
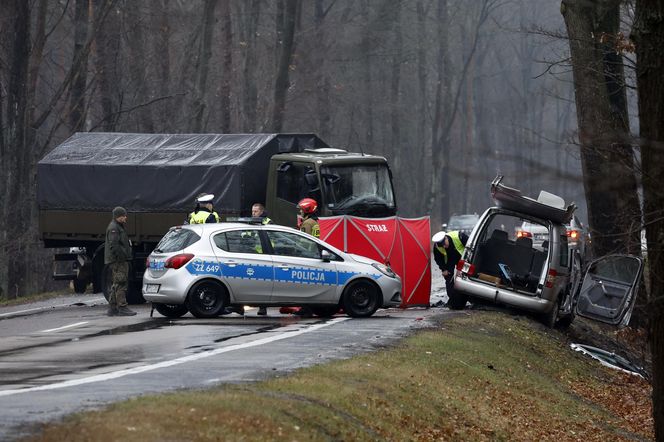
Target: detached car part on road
<point>205,268</point>
<point>543,277</point>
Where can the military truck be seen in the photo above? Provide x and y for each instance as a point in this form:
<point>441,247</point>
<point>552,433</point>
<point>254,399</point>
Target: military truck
<point>157,177</point>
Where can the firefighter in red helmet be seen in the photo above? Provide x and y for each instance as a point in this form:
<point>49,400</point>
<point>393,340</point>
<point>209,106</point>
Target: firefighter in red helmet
<point>307,221</point>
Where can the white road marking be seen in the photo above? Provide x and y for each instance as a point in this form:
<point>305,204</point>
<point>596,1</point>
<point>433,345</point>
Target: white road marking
<point>50,307</point>
<point>172,362</point>
<point>21,311</point>
<point>64,327</point>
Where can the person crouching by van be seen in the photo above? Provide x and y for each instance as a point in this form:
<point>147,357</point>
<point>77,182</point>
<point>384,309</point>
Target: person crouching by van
<point>447,250</point>
<point>204,211</point>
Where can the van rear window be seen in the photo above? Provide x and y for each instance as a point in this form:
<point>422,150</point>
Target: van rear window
<point>177,239</point>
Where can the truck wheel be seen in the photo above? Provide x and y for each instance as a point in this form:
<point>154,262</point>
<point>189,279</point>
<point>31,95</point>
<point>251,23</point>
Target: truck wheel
<point>171,310</point>
<point>80,285</point>
<point>207,299</point>
<point>106,281</point>
<point>134,290</point>
<point>361,299</point>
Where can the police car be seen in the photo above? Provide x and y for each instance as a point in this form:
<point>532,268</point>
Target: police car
<point>204,268</point>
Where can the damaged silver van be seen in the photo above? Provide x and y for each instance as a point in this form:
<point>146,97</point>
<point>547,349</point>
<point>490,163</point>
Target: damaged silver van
<point>543,277</point>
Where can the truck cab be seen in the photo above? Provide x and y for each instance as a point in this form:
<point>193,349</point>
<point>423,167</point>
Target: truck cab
<point>342,183</point>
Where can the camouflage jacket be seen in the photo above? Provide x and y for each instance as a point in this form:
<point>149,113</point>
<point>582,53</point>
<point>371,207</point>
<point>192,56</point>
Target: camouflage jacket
<point>117,248</point>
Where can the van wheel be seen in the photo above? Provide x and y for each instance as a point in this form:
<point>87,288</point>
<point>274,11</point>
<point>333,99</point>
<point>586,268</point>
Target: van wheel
<point>207,299</point>
<point>456,301</point>
<point>549,319</point>
<point>565,322</point>
<point>171,310</point>
<point>361,299</point>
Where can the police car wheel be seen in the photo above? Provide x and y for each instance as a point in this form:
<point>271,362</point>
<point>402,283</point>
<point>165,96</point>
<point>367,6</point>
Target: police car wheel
<point>361,299</point>
<point>171,310</point>
<point>207,299</point>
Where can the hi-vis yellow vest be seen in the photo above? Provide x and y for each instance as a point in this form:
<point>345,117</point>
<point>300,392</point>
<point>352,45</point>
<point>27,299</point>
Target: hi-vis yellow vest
<point>201,216</point>
<point>458,245</point>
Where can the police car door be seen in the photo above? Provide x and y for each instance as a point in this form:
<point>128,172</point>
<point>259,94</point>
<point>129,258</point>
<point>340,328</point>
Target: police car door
<point>245,268</point>
<point>300,274</point>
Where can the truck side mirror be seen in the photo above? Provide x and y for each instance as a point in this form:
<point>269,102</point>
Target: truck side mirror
<point>283,167</point>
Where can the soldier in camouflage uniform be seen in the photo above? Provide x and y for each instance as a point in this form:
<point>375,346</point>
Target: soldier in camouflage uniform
<point>117,254</point>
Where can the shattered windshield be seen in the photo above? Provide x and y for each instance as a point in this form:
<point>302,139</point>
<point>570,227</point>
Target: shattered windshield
<point>353,186</point>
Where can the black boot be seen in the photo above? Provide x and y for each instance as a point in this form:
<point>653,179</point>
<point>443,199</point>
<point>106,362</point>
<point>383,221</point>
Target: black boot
<point>124,311</point>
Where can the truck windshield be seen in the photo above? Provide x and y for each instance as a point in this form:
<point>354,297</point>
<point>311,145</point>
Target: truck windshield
<point>357,188</point>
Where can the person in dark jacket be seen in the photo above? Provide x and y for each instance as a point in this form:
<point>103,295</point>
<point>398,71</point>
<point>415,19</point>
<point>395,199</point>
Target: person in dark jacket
<point>447,251</point>
<point>117,254</point>
<point>258,211</point>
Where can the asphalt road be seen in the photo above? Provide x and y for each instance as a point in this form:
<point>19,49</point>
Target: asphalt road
<point>65,355</point>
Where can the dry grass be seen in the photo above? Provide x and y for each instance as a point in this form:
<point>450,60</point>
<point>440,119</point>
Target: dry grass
<point>485,376</point>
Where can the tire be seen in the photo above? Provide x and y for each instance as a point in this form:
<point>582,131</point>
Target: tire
<point>134,294</point>
<point>361,299</point>
<point>80,285</point>
<point>106,281</point>
<point>456,301</point>
<point>564,323</point>
<point>326,311</point>
<point>550,318</point>
<point>171,310</point>
<point>207,299</point>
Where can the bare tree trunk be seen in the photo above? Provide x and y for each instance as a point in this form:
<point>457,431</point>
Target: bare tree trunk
<point>77,95</point>
<point>107,50</point>
<point>203,66</point>
<point>286,43</point>
<point>227,67</point>
<point>137,66</point>
<point>322,79</point>
<point>250,17</point>
<point>606,155</point>
<point>395,89</point>
<point>19,142</point>
<point>649,36</point>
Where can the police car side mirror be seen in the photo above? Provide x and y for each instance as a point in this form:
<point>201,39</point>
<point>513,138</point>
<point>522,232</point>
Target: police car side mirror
<point>325,255</point>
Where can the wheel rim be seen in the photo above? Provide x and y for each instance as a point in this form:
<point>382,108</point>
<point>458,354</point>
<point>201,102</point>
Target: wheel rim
<point>207,297</point>
<point>362,298</point>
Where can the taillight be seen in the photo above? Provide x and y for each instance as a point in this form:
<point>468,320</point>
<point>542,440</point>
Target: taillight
<point>574,234</point>
<point>551,278</point>
<point>177,261</point>
<point>465,267</point>
<point>523,234</point>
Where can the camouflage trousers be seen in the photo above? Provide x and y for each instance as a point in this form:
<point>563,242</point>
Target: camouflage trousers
<point>120,272</point>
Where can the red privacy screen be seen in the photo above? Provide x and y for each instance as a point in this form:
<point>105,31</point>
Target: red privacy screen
<point>404,243</point>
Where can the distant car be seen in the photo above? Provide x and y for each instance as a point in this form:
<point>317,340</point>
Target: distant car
<point>204,268</point>
<point>545,279</point>
<point>462,223</point>
<point>578,237</point>
<point>538,233</point>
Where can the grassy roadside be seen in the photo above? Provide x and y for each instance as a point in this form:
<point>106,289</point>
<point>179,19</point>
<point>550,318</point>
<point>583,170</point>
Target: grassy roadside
<point>484,376</point>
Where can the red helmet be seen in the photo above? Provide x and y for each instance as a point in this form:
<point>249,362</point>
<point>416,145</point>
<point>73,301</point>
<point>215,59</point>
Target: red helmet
<point>308,205</point>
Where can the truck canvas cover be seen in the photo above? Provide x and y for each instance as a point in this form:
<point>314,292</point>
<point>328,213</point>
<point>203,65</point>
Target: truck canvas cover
<point>161,172</point>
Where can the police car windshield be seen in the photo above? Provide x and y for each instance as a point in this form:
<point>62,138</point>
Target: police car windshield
<point>355,185</point>
<point>176,240</point>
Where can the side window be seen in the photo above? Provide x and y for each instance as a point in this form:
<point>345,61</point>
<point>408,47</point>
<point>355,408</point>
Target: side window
<point>239,241</point>
<point>292,184</point>
<point>292,244</point>
<point>220,241</point>
<point>564,251</point>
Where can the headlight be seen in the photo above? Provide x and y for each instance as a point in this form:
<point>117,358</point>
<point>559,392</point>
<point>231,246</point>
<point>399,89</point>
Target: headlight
<point>385,270</point>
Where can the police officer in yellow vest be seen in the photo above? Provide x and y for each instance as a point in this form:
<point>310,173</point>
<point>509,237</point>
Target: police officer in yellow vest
<point>204,212</point>
<point>447,250</point>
